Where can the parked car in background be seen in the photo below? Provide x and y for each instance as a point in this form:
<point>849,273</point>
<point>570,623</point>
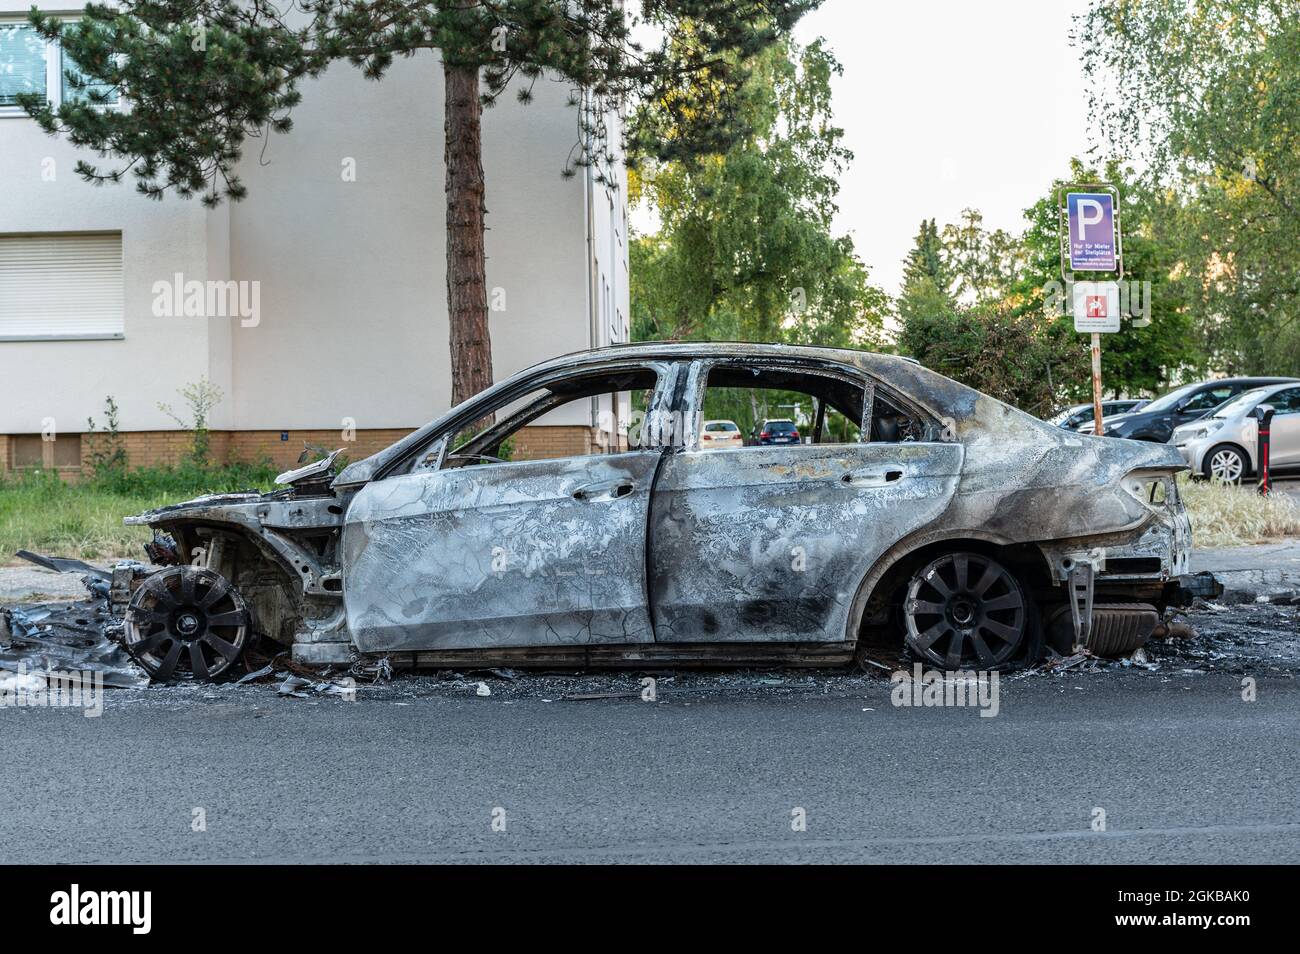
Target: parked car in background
<point>1071,418</point>
<point>776,431</point>
<point>1222,445</point>
<point>1156,421</point>
<point>715,435</point>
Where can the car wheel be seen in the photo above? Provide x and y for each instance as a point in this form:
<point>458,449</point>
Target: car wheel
<point>968,611</point>
<point>1225,463</point>
<point>187,623</point>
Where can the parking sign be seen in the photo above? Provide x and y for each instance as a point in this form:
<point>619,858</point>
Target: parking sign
<point>1090,217</point>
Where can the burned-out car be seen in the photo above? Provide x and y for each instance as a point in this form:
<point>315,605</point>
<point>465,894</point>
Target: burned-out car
<point>914,511</point>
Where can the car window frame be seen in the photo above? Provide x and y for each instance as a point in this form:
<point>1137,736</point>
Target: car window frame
<point>692,400</point>
<point>438,441</point>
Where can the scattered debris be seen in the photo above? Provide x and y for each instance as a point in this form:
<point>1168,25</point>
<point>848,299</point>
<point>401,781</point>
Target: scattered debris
<point>81,636</point>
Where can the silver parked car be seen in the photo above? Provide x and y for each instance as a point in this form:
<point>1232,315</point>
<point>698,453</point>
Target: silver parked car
<point>1223,445</point>
<point>919,511</point>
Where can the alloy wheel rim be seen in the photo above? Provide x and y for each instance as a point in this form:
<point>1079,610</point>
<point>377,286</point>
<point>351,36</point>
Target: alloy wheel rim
<point>1226,465</point>
<point>965,609</point>
<point>186,623</point>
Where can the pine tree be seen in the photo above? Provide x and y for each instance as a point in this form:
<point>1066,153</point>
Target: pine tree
<point>926,258</point>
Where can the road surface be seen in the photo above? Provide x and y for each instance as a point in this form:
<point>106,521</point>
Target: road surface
<point>419,769</point>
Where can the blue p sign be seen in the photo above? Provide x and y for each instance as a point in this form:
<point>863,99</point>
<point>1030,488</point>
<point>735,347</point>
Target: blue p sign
<point>1090,217</point>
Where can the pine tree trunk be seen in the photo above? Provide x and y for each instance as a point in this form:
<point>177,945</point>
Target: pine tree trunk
<point>471,345</point>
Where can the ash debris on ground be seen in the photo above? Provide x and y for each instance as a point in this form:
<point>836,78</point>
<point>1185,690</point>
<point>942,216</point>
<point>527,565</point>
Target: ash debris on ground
<point>1242,634</point>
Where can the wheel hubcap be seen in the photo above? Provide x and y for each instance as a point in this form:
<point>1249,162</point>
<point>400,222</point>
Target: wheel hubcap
<point>965,609</point>
<point>1226,465</point>
<point>186,623</point>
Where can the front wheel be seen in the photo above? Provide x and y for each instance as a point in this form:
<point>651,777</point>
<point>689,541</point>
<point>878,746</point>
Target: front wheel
<point>968,611</point>
<point>186,623</point>
<point>1226,464</point>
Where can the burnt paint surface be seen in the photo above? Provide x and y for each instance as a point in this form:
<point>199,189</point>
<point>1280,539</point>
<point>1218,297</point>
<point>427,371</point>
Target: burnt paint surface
<point>769,543</point>
<point>546,552</point>
<point>418,549</point>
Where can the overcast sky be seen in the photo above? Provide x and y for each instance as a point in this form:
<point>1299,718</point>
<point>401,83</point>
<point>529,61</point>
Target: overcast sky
<point>949,104</point>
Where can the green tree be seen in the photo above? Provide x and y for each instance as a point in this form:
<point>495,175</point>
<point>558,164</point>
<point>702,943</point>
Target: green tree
<point>744,248</point>
<point>202,76</point>
<point>983,263</point>
<point>925,260</point>
<point>1207,94</point>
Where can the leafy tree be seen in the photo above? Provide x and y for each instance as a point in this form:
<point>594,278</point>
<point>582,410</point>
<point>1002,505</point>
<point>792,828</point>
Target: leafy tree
<point>744,248</point>
<point>1207,94</point>
<point>990,345</point>
<point>203,75</point>
<point>983,263</point>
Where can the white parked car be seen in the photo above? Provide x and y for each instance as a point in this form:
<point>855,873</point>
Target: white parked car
<point>719,434</point>
<point>1223,444</point>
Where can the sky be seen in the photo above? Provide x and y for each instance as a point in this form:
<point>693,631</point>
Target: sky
<point>947,105</point>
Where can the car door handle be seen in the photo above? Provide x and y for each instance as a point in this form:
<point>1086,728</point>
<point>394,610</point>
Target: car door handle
<point>605,490</point>
<point>876,477</point>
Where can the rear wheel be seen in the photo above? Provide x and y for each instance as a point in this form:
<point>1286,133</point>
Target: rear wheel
<point>968,611</point>
<point>186,623</point>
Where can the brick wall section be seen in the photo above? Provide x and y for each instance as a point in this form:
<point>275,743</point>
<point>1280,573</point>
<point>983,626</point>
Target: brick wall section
<point>148,448</point>
<point>538,443</point>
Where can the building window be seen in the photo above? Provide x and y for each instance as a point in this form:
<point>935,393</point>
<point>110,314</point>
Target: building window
<point>33,450</point>
<point>31,64</point>
<point>78,87</point>
<point>24,63</point>
<point>60,286</point>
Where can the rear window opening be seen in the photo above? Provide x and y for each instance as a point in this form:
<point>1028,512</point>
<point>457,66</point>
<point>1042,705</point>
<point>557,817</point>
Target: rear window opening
<point>776,403</point>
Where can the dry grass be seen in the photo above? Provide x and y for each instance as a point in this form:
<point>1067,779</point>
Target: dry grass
<point>1226,516</point>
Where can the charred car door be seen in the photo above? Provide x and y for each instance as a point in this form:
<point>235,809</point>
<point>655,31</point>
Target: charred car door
<point>769,543</point>
<point>464,550</point>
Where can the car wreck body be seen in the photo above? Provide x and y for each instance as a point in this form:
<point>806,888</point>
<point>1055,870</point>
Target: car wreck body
<point>944,519</point>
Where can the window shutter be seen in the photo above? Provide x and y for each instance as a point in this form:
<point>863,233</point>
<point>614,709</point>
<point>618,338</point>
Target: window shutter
<point>61,286</point>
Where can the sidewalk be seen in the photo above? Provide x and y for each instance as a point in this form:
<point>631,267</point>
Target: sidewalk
<point>1261,570</point>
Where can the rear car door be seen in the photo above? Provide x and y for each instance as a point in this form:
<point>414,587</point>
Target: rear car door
<point>769,543</point>
<point>502,554</point>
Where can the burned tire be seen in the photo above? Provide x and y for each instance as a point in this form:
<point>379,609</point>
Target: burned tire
<point>968,611</point>
<point>187,623</point>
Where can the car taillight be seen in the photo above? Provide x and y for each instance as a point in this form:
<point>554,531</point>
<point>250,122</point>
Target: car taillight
<point>794,434</point>
<point>764,435</point>
<point>708,437</point>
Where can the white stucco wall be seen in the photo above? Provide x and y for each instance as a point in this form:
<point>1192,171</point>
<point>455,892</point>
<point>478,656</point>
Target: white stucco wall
<point>353,318</point>
<point>353,280</point>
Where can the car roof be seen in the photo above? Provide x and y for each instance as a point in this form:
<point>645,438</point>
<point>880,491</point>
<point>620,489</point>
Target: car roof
<point>1219,382</point>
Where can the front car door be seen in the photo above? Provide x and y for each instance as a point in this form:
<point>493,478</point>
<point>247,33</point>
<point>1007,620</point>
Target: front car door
<point>765,543</point>
<point>456,553</point>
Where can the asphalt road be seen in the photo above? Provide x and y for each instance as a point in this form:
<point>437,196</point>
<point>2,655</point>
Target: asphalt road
<point>411,771</point>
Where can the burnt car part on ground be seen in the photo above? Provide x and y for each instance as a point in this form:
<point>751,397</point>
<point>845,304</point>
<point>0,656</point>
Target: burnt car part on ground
<point>918,511</point>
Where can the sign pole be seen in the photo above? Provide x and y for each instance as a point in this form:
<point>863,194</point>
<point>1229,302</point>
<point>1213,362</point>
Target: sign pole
<point>1096,385</point>
<point>1092,241</point>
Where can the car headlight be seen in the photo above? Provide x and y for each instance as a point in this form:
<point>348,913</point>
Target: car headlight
<point>1194,432</point>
